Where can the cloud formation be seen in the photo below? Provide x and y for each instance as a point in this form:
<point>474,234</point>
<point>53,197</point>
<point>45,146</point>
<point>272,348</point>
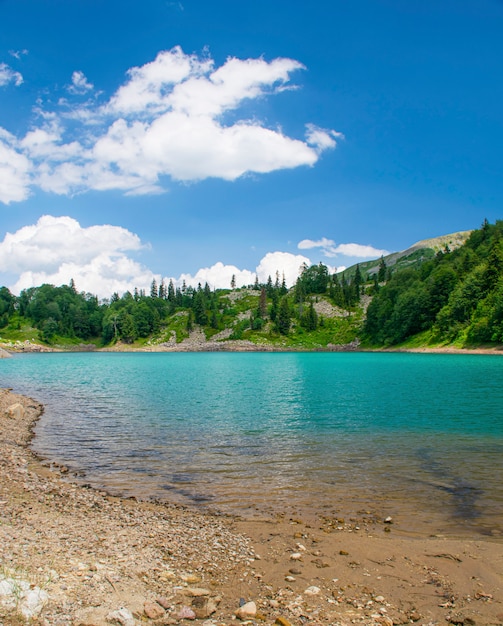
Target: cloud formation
<point>8,75</point>
<point>100,259</point>
<point>170,119</point>
<point>61,249</point>
<point>330,249</point>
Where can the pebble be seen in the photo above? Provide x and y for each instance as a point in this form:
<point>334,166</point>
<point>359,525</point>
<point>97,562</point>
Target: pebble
<point>196,592</point>
<point>186,613</point>
<point>312,591</point>
<point>246,611</point>
<point>153,610</point>
<point>282,621</point>
<point>121,616</point>
<point>295,556</point>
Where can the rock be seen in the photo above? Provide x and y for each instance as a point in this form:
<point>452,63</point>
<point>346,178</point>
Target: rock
<point>384,620</point>
<point>246,611</point>
<point>196,592</point>
<point>163,601</point>
<point>290,579</point>
<point>295,556</point>
<point>121,616</point>
<point>312,591</point>
<point>190,579</point>
<point>15,411</point>
<point>153,610</point>
<point>388,520</point>
<point>295,571</point>
<point>203,607</point>
<point>4,354</point>
<point>186,613</point>
<point>282,621</point>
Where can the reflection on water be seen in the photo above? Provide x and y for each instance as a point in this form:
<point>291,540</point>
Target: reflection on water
<point>409,435</point>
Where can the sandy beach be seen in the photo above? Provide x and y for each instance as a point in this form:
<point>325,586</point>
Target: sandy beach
<point>72,555</point>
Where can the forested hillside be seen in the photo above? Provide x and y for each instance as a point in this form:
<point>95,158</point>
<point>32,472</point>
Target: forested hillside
<point>456,297</point>
<point>447,297</point>
<point>320,310</point>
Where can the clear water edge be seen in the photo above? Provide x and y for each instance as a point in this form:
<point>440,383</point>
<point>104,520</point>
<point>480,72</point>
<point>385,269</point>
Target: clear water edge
<point>418,437</point>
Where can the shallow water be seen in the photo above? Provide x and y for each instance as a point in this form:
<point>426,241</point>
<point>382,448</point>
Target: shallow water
<point>415,436</point>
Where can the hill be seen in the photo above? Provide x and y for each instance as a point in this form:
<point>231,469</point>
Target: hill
<point>442,291</point>
<point>415,255</point>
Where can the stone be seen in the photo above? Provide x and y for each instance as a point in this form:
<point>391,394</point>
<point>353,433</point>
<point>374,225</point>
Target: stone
<point>123,616</point>
<point>282,621</point>
<point>295,556</point>
<point>196,592</point>
<point>190,579</point>
<point>249,609</point>
<point>203,607</point>
<point>312,591</point>
<point>153,610</point>
<point>186,613</point>
<point>15,411</point>
<point>163,601</point>
<point>290,579</point>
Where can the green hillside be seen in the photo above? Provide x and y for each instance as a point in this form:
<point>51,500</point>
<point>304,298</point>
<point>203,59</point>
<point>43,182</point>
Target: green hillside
<point>442,291</point>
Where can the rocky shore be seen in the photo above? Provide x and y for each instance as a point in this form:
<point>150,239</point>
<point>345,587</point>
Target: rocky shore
<point>73,556</point>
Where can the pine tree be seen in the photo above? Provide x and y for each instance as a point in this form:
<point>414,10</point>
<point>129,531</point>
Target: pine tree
<point>283,319</point>
<point>381,273</point>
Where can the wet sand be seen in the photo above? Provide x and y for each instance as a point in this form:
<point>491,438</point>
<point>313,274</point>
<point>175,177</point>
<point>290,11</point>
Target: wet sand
<point>100,559</point>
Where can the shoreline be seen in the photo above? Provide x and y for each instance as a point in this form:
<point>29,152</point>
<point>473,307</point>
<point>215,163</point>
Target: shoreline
<point>95,555</point>
<point>237,346</point>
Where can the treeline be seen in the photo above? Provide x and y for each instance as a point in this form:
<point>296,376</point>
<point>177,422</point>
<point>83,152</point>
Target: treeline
<point>65,313</point>
<point>457,296</point>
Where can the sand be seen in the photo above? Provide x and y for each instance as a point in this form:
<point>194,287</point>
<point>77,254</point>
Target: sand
<point>86,558</point>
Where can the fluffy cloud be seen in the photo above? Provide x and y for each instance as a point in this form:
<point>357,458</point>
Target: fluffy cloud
<point>219,276</point>
<point>167,121</point>
<point>15,170</point>
<point>8,75</point>
<point>80,84</point>
<point>330,249</point>
<point>60,249</point>
<point>359,251</point>
<point>99,259</point>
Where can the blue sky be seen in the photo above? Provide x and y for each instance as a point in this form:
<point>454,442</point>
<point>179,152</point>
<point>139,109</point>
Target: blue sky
<point>199,139</point>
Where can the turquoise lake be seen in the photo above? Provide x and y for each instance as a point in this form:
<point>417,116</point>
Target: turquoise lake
<point>415,436</point>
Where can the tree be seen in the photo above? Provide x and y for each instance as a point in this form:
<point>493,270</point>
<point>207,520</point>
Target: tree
<point>283,318</point>
<point>381,272</point>
<point>154,293</point>
<point>233,281</point>
<point>309,319</point>
<point>262,304</point>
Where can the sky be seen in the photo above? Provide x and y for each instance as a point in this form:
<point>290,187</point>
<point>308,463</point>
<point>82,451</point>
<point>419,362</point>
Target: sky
<point>195,140</point>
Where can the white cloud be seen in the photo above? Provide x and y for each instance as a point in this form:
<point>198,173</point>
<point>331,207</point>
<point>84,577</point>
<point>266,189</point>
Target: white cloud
<point>284,263</point>
<point>18,53</point>
<point>14,170</point>
<point>360,251</point>
<point>168,120</point>
<point>218,276</point>
<point>8,75</point>
<point>321,138</point>
<point>80,84</point>
<point>56,249</point>
<point>98,258</point>
<point>331,250</point>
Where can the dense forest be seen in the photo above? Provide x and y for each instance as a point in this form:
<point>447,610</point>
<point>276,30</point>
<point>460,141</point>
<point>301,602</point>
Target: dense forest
<point>453,296</point>
<point>456,297</point>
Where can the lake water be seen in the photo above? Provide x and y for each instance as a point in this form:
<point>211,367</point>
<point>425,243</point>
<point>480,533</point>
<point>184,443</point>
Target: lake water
<point>415,436</point>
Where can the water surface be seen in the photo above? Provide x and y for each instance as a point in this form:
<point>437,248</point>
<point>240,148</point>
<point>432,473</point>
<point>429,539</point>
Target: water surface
<point>413,435</point>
